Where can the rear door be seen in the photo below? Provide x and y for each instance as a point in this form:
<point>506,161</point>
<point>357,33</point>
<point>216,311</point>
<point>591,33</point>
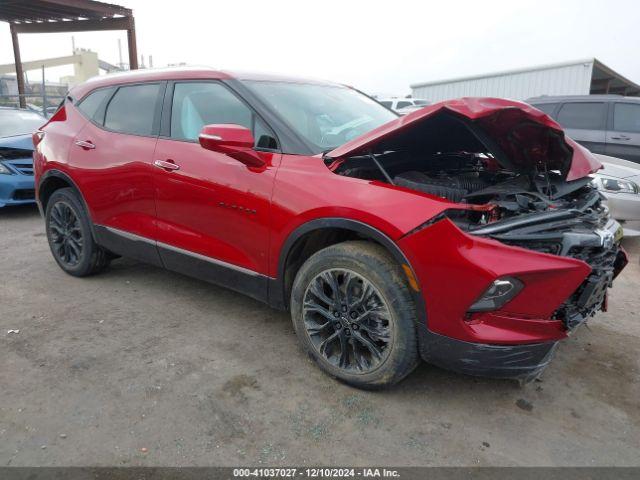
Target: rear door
<point>585,123</point>
<point>623,136</point>
<point>113,155</point>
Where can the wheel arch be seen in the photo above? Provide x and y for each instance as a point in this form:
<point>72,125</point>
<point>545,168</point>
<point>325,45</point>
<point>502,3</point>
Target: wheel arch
<point>316,234</point>
<point>53,180</point>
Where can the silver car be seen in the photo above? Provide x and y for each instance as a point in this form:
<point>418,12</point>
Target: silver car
<point>606,124</point>
<point>619,181</point>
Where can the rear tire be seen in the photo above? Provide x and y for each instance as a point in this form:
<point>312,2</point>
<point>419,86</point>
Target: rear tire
<point>354,315</point>
<point>70,237</point>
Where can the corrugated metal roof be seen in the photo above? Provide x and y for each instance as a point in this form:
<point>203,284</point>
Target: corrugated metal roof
<point>586,61</point>
<point>577,77</point>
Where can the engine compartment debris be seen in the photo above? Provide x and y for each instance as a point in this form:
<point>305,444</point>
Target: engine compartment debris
<point>507,177</point>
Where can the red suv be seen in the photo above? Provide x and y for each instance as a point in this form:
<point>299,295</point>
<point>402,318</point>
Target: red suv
<point>466,233</point>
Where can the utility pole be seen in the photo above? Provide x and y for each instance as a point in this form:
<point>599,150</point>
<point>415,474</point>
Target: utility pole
<point>121,64</point>
<point>44,94</point>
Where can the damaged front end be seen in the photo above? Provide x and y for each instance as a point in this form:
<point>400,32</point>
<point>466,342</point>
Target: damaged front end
<point>582,229</point>
<point>508,174</point>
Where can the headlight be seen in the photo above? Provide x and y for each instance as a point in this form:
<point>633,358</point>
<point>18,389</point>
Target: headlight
<point>498,294</point>
<point>4,170</point>
<point>613,185</point>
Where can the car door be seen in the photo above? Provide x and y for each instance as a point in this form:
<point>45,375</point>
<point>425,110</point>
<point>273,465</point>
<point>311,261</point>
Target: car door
<point>113,158</point>
<point>623,136</point>
<point>585,123</point>
<point>213,212</point>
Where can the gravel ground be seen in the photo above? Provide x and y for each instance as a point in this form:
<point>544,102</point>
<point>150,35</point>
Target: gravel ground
<point>139,366</point>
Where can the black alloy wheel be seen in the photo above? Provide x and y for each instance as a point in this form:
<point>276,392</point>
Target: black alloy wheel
<point>65,234</point>
<point>347,320</point>
<point>70,236</point>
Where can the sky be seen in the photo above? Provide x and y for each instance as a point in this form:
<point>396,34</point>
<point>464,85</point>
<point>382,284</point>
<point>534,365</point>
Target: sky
<point>378,47</point>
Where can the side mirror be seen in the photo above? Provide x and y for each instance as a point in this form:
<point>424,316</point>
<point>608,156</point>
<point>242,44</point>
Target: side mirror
<point>235,141</point>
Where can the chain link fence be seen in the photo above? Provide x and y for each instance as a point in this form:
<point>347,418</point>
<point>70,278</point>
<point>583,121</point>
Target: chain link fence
<point>45,104</point>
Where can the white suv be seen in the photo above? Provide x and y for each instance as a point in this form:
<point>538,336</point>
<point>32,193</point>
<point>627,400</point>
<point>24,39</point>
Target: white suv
<point>399,104</point>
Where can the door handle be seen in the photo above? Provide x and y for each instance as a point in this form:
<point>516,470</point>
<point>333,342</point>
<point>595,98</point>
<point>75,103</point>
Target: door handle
<point>168,165</point>
<point>620,137</point>
<point>85,145</point>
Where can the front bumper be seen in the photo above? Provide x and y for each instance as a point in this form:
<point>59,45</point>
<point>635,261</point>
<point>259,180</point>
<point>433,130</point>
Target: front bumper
<point>16,189</point>
<point>522,362</point>
<point>517,341</point>
<point>454,268</point>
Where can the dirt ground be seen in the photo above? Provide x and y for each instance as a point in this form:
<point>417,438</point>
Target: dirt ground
<point>139,366</point>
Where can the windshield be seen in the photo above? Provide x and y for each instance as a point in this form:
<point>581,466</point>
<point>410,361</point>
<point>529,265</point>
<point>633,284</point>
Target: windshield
<point>326,116</point>
<point>19,122</point>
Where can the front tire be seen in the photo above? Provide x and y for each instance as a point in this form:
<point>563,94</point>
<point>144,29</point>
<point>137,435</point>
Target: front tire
<point>354,315</point>
<point>70,237</point>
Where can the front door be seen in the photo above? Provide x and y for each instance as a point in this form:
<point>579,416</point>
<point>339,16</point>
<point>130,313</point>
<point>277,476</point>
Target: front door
<point>213,212</point>
<point>623,139</point>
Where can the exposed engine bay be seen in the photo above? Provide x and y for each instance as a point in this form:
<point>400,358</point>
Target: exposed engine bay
<point>510,189</point>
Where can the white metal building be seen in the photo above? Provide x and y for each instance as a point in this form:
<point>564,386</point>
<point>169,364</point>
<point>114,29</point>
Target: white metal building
<point>580,77</point>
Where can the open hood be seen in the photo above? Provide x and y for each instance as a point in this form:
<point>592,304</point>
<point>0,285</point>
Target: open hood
<point>524,136</point>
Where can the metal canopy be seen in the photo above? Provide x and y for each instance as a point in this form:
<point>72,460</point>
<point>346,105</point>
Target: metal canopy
<point>52,16</point>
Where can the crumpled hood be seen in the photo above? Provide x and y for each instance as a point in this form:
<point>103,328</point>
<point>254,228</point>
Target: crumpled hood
<point>527,136</point>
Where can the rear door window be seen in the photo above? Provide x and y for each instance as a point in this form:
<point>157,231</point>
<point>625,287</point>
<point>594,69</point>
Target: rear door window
<point>626,117</point>
<point>582,116</point>
<point>547,108</point>
<point>132,109</point>
<point>403,104</point>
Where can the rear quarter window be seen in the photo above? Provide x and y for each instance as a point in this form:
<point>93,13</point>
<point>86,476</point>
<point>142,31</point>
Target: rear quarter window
<point>547,108</point>
<point>582,116</point>
<point>90,104</point>
<point>626,117</point>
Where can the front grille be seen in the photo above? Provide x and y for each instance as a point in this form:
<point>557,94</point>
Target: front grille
<point>14,153</point>
<point>18,158</point>
<point>591,294</point>
<point>24,194</point>
<point>25,167</point>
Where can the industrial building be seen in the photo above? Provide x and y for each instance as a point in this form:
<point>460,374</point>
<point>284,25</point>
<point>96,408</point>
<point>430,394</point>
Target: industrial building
<point>580,77</point>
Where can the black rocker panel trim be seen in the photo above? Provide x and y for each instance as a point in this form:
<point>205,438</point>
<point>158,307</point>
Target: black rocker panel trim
<point>239,279</point>
<point>128,244</point>
<point>172,258</point>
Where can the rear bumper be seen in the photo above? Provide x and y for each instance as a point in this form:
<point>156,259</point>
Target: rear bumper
<point>16,190</point>
<point>521,362</point>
